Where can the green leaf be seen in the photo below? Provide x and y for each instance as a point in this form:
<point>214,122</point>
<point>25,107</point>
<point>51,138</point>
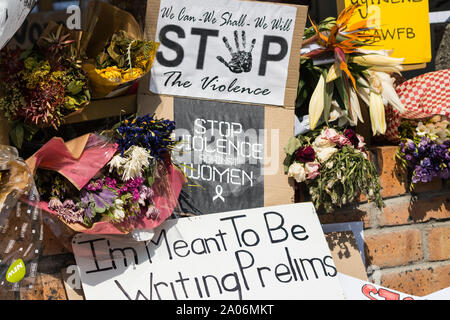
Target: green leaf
<point>287,163</point>
<point>292,146</point>
<point>17,134</point>
<point>340,85</point>
<point>329,89</point>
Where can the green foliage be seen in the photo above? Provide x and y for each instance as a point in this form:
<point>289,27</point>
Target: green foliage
<point>345,176</point>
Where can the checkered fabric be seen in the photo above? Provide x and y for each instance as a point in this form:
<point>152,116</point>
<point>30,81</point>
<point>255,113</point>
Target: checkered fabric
<point>423,97</point>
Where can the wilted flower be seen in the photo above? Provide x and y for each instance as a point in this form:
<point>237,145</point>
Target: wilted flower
<point>305,154</point>
<point>324,154</point>
<point>297,171</point>
<point>312,170</point>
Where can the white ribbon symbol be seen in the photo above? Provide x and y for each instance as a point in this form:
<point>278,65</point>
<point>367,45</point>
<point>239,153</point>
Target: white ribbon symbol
<point>219,191</point>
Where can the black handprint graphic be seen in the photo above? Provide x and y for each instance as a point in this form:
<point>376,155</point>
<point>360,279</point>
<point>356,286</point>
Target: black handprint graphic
<point>241,60</point>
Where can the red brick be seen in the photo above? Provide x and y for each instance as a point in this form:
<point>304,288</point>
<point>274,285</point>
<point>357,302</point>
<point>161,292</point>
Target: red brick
<point>390,249</point>
<point>403,210</point>
<point>393,179</point>
<point>418,281</point>
<point>434,185</point>
<point>438,243</point>
<point>396,212</point>
<point>361,213</point>
<point>53,287</point>
<point>425,209</point>
<point>47,287</point>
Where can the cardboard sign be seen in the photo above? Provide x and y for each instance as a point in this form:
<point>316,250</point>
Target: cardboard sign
<point>356,227</point>
<point>356,289</point>
<point>12,15</point>
<point>230,50</point>
<point>404,27</point>
<point>265,253</point>
<point>344,251</point>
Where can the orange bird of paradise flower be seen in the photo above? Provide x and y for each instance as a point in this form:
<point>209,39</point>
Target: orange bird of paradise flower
<point>343,39</point>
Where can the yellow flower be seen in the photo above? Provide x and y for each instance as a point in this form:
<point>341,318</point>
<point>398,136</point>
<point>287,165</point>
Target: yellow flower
<point>111,73</point>
<point>132,74</point>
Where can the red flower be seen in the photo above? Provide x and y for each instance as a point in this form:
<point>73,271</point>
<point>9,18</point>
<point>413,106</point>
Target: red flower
<point>351,135</point>
<point>305,154</point>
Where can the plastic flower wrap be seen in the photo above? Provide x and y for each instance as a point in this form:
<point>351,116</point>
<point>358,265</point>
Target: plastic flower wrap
<point>425,149</point>
<point>120,181</point>
<point>336,72</point>
<point>116,54</point>
<point>42,85</point>
<point>20,224</point>
<point>334,166</point>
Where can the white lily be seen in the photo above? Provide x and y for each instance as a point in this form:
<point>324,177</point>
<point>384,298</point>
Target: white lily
<point>377,116</point>
<point>317,103</point>
<point>336,113</point>
<point>377,60</point>
<point>334,72</point>
<point>374,100</point>
<point>389,93</point>
<point>355,107</point>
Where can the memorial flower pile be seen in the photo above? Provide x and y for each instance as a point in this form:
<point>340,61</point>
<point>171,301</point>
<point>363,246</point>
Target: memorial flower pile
<point>122,192</point>
<point>334,166</point>
<point>41,85</point>
<point>336,72</point>
<point>425,149</point>
<point>125,59</point>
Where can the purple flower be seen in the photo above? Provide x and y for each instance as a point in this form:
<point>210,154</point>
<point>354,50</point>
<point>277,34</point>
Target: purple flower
<point>111,183</point>
<point>97,202</point>
<point>95,185</point>
<point>411,145</point>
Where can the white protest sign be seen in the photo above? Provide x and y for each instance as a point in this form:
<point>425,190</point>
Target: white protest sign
<point>356,289</point>
<point>224,50</point>
<point>12,15</point>
<point>443,294</point>
<point>266,253</point>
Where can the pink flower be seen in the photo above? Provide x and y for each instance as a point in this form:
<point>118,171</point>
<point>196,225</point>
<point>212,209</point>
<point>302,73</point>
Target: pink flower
<point>343,141</point>
<point>330,134</point>
<point>361,144</point>
<point>312,170</point>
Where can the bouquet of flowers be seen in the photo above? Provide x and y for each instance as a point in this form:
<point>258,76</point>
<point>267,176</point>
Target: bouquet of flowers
<point>123,183</point>
<point>125,59</point>
<point>425,149</point>
<point>335,72</point>
<point>42,85</point>
<point>334,166</point>
<point>116,54</point>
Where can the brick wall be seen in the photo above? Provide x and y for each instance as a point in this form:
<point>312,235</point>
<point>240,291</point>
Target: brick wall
<point>407,243</point>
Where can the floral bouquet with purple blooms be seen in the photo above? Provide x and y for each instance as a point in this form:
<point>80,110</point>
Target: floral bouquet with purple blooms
<point>425,149</point>
<point>139,186</point>
<point>334,166</point>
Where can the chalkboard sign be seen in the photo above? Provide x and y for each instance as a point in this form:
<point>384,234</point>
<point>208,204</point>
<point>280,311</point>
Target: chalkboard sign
<point>222,148</point>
